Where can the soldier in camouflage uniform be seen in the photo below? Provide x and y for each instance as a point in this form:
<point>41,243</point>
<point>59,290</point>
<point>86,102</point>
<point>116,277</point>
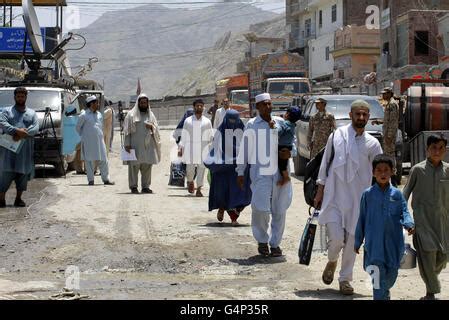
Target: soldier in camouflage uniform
<point>321,125</point>
<point>390,122</point>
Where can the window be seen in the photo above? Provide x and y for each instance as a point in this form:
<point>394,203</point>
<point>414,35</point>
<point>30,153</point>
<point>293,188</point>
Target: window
<point>288,88</point>
<point>327,53</point>
<point>334,13</point>
<point>308,27</point>
<point>421,43</point>
<point>320,19</point>
<point>386,48</point>
<point>341,74</point>
<point>38,100</point>
<point>340,108</point>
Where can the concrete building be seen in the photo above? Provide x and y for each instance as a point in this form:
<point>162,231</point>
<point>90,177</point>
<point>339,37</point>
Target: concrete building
<point>409,42</point>
<point>313,24</point>
<point>260,45</point>
<point>356,52</point>
<point>443,36</point>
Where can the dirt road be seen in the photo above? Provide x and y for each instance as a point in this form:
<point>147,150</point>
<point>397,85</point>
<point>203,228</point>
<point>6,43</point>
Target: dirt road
<point>160,246</point>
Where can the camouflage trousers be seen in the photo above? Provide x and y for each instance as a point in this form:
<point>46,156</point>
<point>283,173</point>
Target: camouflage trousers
<point>390,149</point>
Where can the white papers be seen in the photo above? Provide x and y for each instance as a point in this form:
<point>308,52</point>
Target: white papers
<point>7,141</point>
<point>131,156</point>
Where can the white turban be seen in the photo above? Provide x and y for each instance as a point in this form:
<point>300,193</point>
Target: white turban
<point>90,99</point>
<point>262,97</point>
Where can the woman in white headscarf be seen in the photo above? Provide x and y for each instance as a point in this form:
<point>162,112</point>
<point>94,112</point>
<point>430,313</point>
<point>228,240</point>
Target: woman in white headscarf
<point>142,134</point>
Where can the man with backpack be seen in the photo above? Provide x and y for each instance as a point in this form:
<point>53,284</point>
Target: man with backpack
<point>345,172</point>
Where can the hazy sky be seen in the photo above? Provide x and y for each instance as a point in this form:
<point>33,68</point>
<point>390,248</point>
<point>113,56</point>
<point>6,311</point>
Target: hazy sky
<point>90,10</point>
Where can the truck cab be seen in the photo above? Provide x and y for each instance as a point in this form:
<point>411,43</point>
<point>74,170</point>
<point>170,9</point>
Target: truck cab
<point>283,90</point>
<point>57,110</point>
<point>239,101</point>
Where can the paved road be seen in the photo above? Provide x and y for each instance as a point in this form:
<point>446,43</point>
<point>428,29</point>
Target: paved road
<point>161,246</point>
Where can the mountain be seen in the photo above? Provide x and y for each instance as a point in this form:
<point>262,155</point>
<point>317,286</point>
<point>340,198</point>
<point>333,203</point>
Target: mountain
<point>162,46</point>
<point>221,61</point>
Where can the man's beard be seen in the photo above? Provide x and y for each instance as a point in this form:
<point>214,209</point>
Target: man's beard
<point>143,109</point>
<point>21,105</point>
<point>360,125</point>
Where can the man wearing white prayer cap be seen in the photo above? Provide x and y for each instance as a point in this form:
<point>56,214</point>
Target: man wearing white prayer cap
<point>340,189</point>
<point>93,148</point>
<point>268,198</point>
<point>263,97</point>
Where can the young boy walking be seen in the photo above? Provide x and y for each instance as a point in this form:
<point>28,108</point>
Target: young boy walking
<point>429,184</point>
<point>383,215</point>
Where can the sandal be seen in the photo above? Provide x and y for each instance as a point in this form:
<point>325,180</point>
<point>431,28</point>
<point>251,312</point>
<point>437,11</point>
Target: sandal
<point>191,187</point>
<point>233,214</point>
<point>263,249</point>
<point>220,215</point>
<point>276,252</point>
<point>346,288</point>
<point>328,273</point>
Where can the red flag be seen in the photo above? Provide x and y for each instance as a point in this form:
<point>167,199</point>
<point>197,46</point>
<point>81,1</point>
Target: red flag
<point>139,89</point>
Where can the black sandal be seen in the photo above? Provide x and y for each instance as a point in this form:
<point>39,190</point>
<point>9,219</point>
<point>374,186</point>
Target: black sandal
<point>263,249</point>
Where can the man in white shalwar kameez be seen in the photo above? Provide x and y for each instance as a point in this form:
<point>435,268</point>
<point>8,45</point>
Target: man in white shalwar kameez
<point>220,114</point>
<point>142,134</point>
<point>339,192</point>
<point>93,148</point>
<point>194,147</point>
<point>259,149</point>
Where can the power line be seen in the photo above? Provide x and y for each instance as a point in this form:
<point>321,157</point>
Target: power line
<point>173,27</point>
<point>155,3</point>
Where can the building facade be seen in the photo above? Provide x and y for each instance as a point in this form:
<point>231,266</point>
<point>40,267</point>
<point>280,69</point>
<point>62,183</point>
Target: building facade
<point>356,52</point>
<point>313,24</point>
<point>409,37</point>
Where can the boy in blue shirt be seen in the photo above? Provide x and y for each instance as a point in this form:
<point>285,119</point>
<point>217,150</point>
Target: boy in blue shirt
<point>287,133</point>
<point>383,215</point>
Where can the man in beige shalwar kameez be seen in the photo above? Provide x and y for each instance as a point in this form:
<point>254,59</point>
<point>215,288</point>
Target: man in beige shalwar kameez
<point>142,134</point>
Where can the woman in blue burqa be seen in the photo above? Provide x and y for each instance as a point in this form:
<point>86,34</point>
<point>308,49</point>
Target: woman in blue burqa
<point>224,193</point>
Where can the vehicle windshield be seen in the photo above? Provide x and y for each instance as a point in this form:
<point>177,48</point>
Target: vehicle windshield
<point>240,98</point>
<point>341,108</point>
<point>37,100</point>
<point>288,88</point>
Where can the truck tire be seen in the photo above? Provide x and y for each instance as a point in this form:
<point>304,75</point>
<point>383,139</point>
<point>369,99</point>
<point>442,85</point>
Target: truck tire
<point>300,165</point>
<point>60,168</point>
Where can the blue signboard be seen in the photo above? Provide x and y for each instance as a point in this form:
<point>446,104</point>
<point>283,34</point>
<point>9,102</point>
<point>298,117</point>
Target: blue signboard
<point>11,40</point>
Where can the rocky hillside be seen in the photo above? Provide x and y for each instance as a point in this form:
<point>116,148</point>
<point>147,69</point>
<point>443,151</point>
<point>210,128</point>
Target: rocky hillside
<point>165,46</point>
<point>222,59</point>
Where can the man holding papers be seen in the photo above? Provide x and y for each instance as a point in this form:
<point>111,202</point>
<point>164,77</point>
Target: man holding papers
<point>21,124</point>
<point>143,143</point>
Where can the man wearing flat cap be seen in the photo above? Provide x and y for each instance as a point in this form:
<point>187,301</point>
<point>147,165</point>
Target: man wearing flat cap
<point>321,125</point>
<point>390,122</point>
<point>93,148</point>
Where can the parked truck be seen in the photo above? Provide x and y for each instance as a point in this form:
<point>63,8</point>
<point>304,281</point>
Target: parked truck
<point>283,75</point>
<point>235,88</point>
